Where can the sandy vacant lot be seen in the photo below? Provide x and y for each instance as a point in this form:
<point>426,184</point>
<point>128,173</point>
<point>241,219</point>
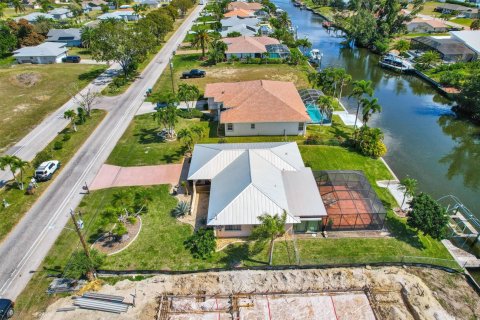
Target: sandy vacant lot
<point>393,293</point>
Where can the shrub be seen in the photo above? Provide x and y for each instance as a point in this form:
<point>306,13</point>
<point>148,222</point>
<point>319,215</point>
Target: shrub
<point>181,209</point>
<point>428,216</point>
<point>370,142</point>
<point>202,243</point>
<point>66,137</point>
<point>42,156</point>
<point>79,265</point>
<point>119,231</point>
<point>58,145</point>
<point>193,113</point>
<point>132,220</point>
<point>313,139</point>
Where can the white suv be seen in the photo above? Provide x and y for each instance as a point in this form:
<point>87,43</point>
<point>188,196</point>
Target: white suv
<point>46,170</point>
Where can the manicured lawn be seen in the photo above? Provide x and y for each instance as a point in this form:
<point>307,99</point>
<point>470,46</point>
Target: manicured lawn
<point>428,8</point>
<point>463,21</point>
<point>140,144</point>
<point>30,92</point>
<point>20,203</point>
<point>82,52</point>
<point>225,72</point>
<point>325,11</point>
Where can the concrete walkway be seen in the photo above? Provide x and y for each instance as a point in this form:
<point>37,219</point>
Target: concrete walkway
<point>394,187</point>
<point>113,176</point>
<point>348,119</point>
<point>463,258</point>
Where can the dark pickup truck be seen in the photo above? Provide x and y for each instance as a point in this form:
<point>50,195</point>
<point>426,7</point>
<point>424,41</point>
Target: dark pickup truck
<point>194,73</point>
<point>6,309</point>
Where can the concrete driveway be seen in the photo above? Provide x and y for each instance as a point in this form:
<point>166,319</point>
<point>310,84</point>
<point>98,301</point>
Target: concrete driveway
<point>113,176</point>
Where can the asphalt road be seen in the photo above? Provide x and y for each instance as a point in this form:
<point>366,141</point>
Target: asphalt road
<point>26,246</point>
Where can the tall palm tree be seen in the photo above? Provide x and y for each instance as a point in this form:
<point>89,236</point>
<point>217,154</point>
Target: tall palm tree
<point>72,116</point>
<point>201,40</point>
<point>326,104</point>
<point>429,58</point>
<point>272,227</point>
<point>360,89</point>
<point>409,186</point>
<point>186,136</point>
<point>86,36</point>
<point>187,93</point>
<point>142,199</point>
<point>217,50</point>
<point>18,6</point>
<point>369,107</point>
<point>343,79</point>
<point>14,163</point>
<point>198,131</point>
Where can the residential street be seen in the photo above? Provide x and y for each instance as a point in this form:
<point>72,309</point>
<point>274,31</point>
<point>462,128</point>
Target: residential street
<point>26,246</point>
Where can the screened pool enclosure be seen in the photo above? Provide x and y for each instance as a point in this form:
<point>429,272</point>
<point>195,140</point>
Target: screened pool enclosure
<point>350,201</point>
<point>318,115</point>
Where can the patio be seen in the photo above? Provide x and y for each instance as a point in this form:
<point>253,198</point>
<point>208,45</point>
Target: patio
<point>351,202</point>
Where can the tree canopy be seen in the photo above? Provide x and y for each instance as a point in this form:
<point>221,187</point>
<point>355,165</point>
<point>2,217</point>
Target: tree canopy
<point>428,216</point>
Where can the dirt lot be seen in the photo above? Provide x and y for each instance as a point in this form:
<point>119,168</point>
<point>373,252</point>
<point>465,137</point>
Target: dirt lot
<point>393,293</point>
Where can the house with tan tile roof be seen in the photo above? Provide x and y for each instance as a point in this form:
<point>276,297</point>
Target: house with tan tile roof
<point>244,6</point>
<point>242,13</point>
<point>419,25</point>
<point>255,47</point>
<point>258,107</point>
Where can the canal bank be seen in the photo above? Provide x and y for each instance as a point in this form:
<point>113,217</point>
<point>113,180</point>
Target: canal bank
<point>424,138</point>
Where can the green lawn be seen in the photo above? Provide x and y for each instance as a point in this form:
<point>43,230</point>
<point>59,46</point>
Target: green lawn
<point>30,92</point>
<point>463,21</point>
<point>82,52</point>
<point>325,11</point>
<point>428,8</point>
<point>20,203</point>
<point>141,146</point>
<point>225,72</point>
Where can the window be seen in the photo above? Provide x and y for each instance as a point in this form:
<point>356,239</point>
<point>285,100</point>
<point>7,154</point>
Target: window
<point>229,126</point>
<point>233,228</point>
<point>300,126</point>
<point>252,126</point>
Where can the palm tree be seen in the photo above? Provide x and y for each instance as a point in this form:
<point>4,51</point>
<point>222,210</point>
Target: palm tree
<point>402,45</point>
<point>201,40</point>
<point>142,198</point>
<point>427,59</point>
<point>326,104</point>
<point>139,8</point>
<point>18,6</point>
<point>369,107</point>
<point>124,200</point>
<point>187,93</point>
<point>44,4</point>
<point>217,50</point>
<point>72,116</point>
<point>409,186</point>
<point>343,79</point>
<point>303,44</point>
<point>198,131</point>
<point>186,136</point>
<point>86,36</point>
<point>14,163</point>
<point>21,165</point>
<point>272,227</point>
<point>360,88</point>
<point>2,7</point>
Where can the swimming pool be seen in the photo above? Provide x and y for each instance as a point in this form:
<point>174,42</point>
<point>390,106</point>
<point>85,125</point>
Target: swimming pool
<point>316,115</point>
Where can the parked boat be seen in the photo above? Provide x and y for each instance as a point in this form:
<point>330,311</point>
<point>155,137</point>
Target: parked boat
<point>314,55</point>
<point>297,4</point>
<point>396,63</point>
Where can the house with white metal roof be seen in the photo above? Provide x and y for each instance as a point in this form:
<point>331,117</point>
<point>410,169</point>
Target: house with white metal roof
<point>61,13</point>
<point>32,17</point>
<point>47,52</point>
<point>471,38</point>
<point>125,15</point>
<point>248,180</point>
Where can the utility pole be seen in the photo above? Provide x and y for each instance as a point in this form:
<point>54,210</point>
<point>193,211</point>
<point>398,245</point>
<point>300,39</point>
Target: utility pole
<point>91,273</point>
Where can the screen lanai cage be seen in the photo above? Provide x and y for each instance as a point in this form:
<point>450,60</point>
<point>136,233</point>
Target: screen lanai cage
<point>350,201</point>
<point>318,114</point>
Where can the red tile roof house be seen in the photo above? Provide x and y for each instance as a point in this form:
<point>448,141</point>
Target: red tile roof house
<point>419,25</point>
<point>254,47</point>
<point>259,107</point>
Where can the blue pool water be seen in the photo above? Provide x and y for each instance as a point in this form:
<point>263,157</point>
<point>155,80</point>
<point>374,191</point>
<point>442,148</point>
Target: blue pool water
<point>314,113</point>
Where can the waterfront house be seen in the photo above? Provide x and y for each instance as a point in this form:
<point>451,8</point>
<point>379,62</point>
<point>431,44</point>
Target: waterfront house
<point>240,13</point>
<point>255,47</point>
<point>72,37</point>
<point>449,49</point>
<point>419,25</point>
<point>258,107</point>
<point>149,3</point>
<point>47,52</point>
<point>236,5</point>
<point>245,26</point>
<point>471,38</point>
<point>243,181</point>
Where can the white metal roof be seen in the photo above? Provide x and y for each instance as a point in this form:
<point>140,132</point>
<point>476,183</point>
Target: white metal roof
<point>471,38</point>
<point>46,49</point>
<point>249,180</point>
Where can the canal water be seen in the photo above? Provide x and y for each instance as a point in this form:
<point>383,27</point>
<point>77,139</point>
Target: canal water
<point>424,139</point>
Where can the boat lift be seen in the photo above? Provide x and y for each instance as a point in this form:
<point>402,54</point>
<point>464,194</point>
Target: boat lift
<point>463,223</point>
